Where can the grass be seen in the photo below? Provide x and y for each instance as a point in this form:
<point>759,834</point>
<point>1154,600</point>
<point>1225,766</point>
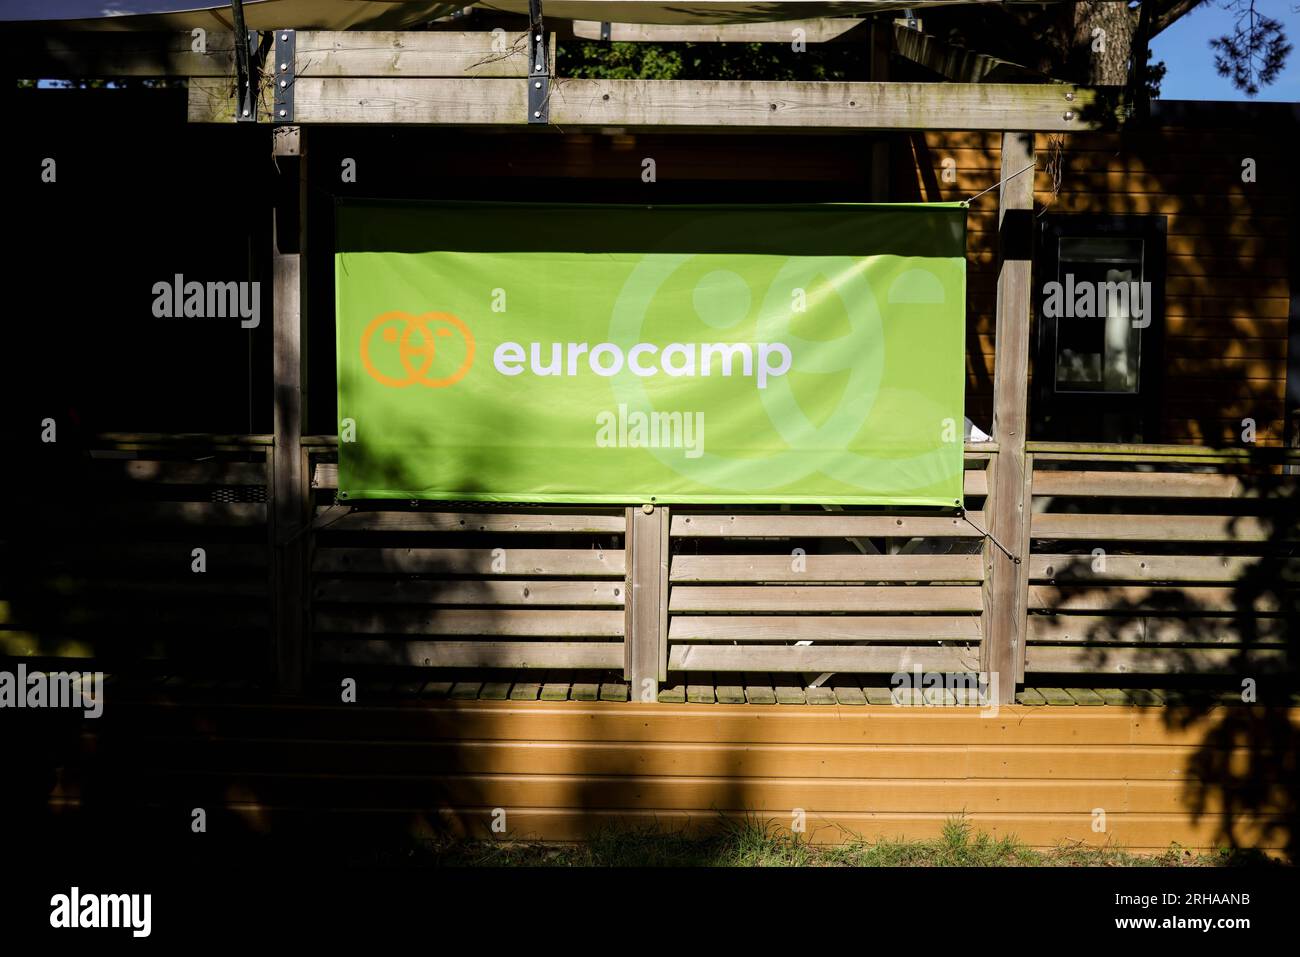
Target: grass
<point>750,843</point>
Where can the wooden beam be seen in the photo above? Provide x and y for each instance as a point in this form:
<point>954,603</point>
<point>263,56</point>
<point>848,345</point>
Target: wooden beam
<point>698,104</point>
<point>116,54</point>
<point>361,53</point>
<point>290,503</point>
<point>1007,509</point>
<point>819,30</point>
<point>957,63</point>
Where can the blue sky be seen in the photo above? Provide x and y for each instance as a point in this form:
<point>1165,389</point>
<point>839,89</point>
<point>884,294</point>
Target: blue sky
<point>1185,48</point>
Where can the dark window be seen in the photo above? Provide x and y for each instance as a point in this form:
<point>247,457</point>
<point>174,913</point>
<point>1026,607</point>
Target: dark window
<point>1099,291</point>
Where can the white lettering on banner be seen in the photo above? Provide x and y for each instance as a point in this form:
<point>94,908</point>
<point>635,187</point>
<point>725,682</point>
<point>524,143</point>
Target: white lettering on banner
<point>675,359</point>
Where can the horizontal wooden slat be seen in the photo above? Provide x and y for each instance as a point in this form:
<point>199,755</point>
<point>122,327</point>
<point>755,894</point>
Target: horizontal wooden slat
<point>1149,833</point>
<point>475,654</point>
<point>769,103</point>
<point>1069,660</point>
<point>816,658</point>
<point>187,440</point>
<point>1137,628</point>
<point>828,568</point>
<point>165,472</point>
<point>117,54</point>
<point>368,53</point>
<point>821,30</point>
<point>722,759</point>
<point>683,628</point>
<point>975,482</point>
<point>1135,599</point>
<point>557,562</point>
<point>823,525</point>
<point>1157,528</point>
<point>408,621</point>
<point>1170,568</point>
<point>597,795</point>
<point>470,592</point>
<point>630,724</point>
<point>174,559</point>
<point>429,521</point>
<point>808,598</point>
<point>576,103</point>
<point>177,515</point>
<point>110,587</point>
<point>1097,484</point>
<point>1046,451</point>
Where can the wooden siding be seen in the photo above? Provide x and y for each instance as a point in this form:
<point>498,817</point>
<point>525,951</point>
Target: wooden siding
<point>1226,286</point>
<point>99,564</point>
<point>564,770</point>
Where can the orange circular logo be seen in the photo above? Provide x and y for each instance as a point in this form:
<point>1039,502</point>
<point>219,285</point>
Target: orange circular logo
<point>416,339</point>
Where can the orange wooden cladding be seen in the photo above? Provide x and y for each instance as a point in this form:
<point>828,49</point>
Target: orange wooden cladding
<point>564,770</point>
<point>1226,273</point>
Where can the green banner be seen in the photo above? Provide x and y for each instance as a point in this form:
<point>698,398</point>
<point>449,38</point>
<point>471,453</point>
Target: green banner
<point>611,354</point>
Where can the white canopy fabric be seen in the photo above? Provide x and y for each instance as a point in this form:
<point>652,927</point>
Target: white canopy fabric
<point>712,11</point>
<point>162,15</point>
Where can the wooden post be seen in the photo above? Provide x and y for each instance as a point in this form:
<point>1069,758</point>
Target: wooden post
<point>1008,505</point>
<point>882,41</point>
<point>645,596</point>
<point>290,498</point>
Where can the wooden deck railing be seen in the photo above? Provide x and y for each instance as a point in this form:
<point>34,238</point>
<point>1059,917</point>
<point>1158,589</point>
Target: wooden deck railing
<point>144,551</point>
<point>1143,560</point>
<point>1161,559</point>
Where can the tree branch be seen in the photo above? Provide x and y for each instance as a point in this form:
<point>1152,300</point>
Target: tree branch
<point>1166,12</point>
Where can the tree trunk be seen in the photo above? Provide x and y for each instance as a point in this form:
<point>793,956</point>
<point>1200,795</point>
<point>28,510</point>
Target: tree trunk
<point>1106,54</point>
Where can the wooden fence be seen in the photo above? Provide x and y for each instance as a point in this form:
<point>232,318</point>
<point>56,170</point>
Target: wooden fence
<point>149,550</point>
<point>1142,560</point>
<point>1154,560</point>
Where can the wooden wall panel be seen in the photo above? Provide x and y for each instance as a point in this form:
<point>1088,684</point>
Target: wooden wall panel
<point>1227,290</point>
<point>564,771</point>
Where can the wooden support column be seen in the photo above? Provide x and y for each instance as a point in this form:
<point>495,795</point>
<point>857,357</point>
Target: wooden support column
<point>645,637</point>
<point>290,498</point>
<point>1008,508</point>
<point>882,42</point>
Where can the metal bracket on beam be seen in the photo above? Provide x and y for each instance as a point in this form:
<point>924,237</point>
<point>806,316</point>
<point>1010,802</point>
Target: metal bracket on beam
<point>539,68</point>
<point>283,73</point>
<point>605,31</point>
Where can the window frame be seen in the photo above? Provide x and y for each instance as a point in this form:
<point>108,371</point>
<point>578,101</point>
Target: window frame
<point>1056,414</point>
